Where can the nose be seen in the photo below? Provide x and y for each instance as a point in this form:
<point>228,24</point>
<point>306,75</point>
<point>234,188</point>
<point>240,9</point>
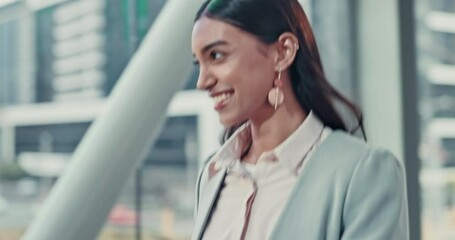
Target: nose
<point>205,81</point>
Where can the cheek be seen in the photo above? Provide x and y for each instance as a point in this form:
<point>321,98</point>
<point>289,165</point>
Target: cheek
<point>258,77</point>
<point>254,69</point>
<point>229,74</point>
<point>258,67</point>
<point>250,74</point>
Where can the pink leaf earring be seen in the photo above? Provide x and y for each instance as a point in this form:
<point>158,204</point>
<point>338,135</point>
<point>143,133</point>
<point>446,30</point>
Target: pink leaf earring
<point>276,96</point>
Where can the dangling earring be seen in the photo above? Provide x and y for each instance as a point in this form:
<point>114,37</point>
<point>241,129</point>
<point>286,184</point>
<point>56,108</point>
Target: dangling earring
<point>276,96</point>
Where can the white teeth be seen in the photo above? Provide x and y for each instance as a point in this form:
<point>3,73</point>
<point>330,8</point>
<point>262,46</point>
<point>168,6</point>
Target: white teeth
<point>221,97</point>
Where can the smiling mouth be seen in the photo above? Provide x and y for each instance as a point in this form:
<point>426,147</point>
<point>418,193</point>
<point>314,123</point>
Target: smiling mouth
<point>221,99</point>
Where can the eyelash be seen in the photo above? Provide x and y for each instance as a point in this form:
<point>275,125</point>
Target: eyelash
<point>212,57</point>
<point>214,54</point>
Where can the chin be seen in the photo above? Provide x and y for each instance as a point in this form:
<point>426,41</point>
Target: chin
<point>226,123</point>
<point>230,121</point>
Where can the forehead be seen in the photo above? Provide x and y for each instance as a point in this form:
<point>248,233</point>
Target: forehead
<point>207,30</point>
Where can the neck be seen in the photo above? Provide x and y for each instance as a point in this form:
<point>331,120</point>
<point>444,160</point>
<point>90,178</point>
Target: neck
<point>268,133</point>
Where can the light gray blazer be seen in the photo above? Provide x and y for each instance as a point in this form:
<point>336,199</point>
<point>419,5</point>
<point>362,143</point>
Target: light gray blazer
<point>347,191</point>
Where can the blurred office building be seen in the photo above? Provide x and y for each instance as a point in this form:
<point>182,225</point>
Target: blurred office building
<point>60,59</point>
<point>436,63</point>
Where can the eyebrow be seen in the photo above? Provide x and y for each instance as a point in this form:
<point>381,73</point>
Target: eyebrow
<point>213,44</point>
<point>209,46</point>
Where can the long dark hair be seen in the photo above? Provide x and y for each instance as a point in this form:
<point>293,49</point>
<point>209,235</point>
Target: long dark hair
<point>267,20</point>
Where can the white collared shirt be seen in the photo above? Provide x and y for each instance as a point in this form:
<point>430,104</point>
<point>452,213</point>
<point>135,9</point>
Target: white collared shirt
<point>253,196</point>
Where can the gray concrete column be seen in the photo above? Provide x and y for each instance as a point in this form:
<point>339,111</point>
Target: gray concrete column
<point>379,73</point>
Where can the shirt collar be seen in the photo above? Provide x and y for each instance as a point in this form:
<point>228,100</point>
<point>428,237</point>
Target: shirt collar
<point>232,149</point>
<point>290,152</point>
<point>293,150</point>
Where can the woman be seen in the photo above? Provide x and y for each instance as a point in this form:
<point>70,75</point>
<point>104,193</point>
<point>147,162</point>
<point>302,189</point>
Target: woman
<point>288,168</point>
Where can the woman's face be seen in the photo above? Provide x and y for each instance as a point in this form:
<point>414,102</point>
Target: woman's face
<point>235,68</point>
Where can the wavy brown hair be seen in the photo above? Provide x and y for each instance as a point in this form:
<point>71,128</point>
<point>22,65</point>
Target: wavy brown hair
<point>267,20</point>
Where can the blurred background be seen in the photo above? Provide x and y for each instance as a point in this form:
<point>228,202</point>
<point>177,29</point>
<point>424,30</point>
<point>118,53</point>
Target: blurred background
<point>60,59</point>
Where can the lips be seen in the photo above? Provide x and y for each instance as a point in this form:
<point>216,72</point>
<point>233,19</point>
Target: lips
<point>221,99</point>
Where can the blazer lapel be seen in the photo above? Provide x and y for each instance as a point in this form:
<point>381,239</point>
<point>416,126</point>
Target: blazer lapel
<point>294,211</point>
<point>208,197</point>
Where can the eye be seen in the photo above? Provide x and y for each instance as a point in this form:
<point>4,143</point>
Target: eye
<point>216,55</point>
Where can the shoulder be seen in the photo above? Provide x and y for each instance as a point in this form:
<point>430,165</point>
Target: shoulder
<point>375,190</point>
<point>362,163</point>
<point>346,142</point>
<point>341,156</point>
<point>341,144</point>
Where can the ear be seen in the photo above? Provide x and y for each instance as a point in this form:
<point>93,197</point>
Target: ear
<point>287,46</point>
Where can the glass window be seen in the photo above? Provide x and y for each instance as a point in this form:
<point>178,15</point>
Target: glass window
<point>8,62</point>
<point>158,200</point>
<point>436,71</point>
